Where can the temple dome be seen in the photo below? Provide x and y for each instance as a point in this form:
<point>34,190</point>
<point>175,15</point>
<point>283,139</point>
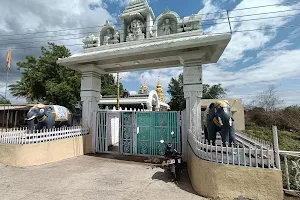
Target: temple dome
<point>133,2</point>
<point>143,89</point>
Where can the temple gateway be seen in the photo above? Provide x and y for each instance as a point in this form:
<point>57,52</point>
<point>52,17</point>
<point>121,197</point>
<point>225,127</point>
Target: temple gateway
<point>144,42</point>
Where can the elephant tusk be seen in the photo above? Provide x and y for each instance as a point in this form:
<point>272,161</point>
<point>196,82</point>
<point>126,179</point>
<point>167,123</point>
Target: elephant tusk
<point>220,121</point>
<point>31,118</point>
<point>230,122</point>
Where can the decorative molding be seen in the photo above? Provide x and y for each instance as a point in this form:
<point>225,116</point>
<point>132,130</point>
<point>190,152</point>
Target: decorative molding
<point>193,58</point>
<point>190,94</point>
<point>91,74</point>
<point>192,75</point>
<point>90,41</point>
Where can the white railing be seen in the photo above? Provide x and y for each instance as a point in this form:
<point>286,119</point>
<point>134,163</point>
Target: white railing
<point>248,141</point>
<point>290,161</point>
<point>23,136</point>
<point>252,141</point>
<point>230,154</point>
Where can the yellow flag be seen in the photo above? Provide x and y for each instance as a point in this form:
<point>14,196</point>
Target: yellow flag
<point>8,58</point>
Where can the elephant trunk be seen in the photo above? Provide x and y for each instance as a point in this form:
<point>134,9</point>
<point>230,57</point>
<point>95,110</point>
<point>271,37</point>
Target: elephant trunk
<point>30,121</point>
<point>224,116</point>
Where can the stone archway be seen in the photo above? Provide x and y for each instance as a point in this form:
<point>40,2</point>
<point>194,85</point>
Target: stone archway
<point>153,101</point>
<point>189,49</point>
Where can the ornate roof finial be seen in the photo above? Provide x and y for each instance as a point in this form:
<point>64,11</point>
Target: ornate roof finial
<point>166,10</point>
<point>158,78</point>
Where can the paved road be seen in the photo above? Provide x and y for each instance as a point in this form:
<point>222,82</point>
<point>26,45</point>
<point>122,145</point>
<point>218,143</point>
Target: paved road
<point>88,177</point>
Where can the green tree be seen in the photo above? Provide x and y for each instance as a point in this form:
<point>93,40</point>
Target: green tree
<point>47,82</point>
<point>175,89</point>
<point>4,101</point>
<point>213,92</point>
<point>108,85</point>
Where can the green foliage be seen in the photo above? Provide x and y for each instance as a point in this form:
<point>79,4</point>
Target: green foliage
<point>285,119</point>
<point>47,82</point>
<point>288,141</point>
<point>108,85</point>
<point>213,92</point>
<point>175,89</point>
<point>4,101</point>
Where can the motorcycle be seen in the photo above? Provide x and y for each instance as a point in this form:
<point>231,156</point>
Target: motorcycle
<point>174,158</point>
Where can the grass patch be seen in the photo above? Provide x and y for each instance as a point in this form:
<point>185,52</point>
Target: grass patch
<point>288,141</point>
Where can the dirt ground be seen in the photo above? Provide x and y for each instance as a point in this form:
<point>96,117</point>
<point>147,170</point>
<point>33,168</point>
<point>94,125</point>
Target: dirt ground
<point>90,177</point>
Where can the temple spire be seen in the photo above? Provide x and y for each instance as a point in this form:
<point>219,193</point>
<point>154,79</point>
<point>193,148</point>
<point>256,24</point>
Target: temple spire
<point>160,91</point>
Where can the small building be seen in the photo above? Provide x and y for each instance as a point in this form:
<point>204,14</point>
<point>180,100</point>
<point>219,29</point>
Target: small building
<point>145,99</point>
<point>237,109</point>
<point>15,115</point>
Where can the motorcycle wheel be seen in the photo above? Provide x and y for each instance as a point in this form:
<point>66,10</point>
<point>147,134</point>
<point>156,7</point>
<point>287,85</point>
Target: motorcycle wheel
<point>174,176</point>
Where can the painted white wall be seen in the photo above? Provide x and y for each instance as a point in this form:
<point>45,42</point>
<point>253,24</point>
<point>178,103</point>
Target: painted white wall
<point>113,128</point>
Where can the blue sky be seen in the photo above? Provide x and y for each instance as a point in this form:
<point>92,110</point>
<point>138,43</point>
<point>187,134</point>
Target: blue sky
<point>252,60</point>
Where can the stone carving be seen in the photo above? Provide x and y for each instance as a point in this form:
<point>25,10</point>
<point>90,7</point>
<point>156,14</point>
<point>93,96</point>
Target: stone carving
<point>167,27</point>
<point>135,30</point>
<point>167,23</point>
<point>116,38</point>
<point>192,22</point>
<point>90,41</point>
<point>133,2</point>
<point>109,35</point>
<point>219,119</point>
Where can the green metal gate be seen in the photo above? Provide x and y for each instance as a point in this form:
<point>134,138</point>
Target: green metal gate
<point>141,132</point>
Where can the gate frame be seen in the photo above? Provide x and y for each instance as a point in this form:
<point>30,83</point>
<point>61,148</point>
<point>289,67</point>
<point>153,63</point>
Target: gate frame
<point>97,135</point>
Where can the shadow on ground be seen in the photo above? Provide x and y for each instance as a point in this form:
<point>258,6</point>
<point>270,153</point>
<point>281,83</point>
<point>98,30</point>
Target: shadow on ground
<point>183,179</point>
<point>130,158</point>
<point>166,176</point>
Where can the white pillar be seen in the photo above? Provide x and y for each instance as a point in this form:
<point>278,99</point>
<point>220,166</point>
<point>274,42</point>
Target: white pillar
<point>90,95</point>
<point>192,80</point>
<point>122,30</point>
<point>149,24</point>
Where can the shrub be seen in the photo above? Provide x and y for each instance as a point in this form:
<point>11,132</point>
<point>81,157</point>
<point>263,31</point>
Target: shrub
<point>285,119</point>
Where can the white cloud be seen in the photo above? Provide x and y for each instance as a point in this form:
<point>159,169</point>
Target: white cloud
<point>272,64</point>
<point>42,16</point>
<point>121,3</point>
<point>210,8</point>
<point>243,42</point>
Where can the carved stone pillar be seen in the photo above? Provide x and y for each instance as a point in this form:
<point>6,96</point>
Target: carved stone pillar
<point>122,30</point>
<point>192,80</point>
<point>148,24</point>
<point>90,94</point>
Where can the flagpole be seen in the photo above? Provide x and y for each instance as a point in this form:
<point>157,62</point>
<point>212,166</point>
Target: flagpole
<point>8,59</point>
<point>5,94</point>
